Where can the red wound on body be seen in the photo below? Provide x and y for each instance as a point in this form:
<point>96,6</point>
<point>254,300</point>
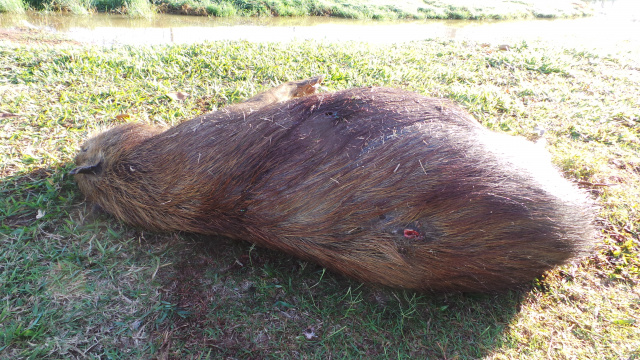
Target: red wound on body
<point>411,234</point>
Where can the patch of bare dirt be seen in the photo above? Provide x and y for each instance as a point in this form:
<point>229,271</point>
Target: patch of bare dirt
<point>30,36</point>
<point>187,286</point>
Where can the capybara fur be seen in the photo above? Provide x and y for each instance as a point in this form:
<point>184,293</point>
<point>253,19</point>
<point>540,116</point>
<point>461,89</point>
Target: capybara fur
<point>382,185</point>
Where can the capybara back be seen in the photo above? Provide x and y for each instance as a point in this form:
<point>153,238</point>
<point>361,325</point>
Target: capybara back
<point>382,185</point>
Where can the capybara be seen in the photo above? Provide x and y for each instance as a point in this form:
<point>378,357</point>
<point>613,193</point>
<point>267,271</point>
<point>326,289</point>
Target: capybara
<point>382,185</point>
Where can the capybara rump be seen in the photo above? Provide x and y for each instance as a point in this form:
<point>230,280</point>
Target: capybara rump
<point>382,185</point>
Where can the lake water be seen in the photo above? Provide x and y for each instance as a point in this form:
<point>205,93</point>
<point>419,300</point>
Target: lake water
<point>615,26</point>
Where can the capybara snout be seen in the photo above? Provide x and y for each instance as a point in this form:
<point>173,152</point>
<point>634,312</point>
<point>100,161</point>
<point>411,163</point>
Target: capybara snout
<point>382,185</point>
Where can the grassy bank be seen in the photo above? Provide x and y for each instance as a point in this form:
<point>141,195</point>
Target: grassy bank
<point>355,9</point>
<point>77,284</point>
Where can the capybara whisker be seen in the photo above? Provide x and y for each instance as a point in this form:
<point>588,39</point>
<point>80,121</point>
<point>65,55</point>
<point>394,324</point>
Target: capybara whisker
<point>381,185</point>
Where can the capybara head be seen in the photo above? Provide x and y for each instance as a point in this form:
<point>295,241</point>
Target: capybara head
<point>103,151</point>
<point>382,185</point>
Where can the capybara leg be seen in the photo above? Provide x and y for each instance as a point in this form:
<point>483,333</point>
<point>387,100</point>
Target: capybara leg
<point>287,91</point>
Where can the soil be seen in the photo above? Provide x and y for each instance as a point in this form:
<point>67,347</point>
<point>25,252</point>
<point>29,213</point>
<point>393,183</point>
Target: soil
<point>27,36</point>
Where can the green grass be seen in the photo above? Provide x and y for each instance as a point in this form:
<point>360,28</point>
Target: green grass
<point>139,8</point>
<point>75,283</point>
<point>383,9</point>
<point>12,6</point>
<point>352,9</point>
<point>78,7</point>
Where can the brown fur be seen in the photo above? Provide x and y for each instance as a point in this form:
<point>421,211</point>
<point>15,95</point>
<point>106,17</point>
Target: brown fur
<point>382,185</point>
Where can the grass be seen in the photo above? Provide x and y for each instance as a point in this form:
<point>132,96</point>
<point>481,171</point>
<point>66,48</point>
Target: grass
<point>352,9</point>
<point>139,8</point>
<point>12,6</point>
<point>78,284</point>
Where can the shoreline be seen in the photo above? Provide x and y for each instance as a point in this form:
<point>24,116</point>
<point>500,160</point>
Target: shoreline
<point>360,9</point>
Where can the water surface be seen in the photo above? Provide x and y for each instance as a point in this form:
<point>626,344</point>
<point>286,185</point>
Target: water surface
<point>615,26</point>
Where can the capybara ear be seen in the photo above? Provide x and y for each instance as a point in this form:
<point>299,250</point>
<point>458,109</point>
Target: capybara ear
<point>88,169</point>
<point>307,86</point>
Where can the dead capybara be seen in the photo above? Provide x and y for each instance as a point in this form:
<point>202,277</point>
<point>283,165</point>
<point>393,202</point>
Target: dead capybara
<point>382,185</point>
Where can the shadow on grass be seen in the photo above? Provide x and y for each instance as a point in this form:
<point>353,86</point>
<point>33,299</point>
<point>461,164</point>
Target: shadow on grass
<point>217,298</point>
<point>32,199</point>
<point>244,302</point>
